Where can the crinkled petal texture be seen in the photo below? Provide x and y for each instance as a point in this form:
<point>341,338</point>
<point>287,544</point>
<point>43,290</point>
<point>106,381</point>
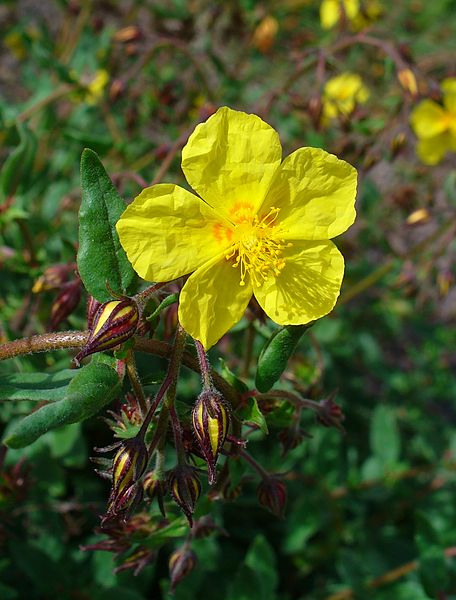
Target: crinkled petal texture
<point>428,119</point>
<point>315,192</point>
<point>231,159</point>
<point>432,150</point>
<point>168,232</point>
<point>212,301</point>
<point>307,287</point>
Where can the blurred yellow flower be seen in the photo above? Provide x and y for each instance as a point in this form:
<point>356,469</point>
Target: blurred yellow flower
<point>341,94</point>
<point>358,14</point>
<point>93,87</point>
<point>265,34</point>
<point>435,125</point>
<point>260,226</point>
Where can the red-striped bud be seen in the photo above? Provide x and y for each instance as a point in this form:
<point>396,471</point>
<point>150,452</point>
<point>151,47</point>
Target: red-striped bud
<point>185,488</point>
<point>272,494</point>
<point>113,324</point>
<point>210,420</point>
<point>181,563</point>
<point>129,464</point>
<point>65,303</point>
<point>155,488</point>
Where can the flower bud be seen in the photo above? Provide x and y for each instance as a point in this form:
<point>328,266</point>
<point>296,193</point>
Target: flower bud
<point>114,322</point>
<point>265,34</point>
<point>181,563</point>
<point>123,503</point>
<point>272,494</point>
<point>210,420</point>
<point>330,414</point>
<point>185,488</point>
<point>65,303</point>
<point>53,277</point>
<point>155,488</point>
<point>129,464</point>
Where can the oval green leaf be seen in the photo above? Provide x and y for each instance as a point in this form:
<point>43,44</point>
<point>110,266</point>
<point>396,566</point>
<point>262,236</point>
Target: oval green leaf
<point>94,386</point>
<point>101,258</point>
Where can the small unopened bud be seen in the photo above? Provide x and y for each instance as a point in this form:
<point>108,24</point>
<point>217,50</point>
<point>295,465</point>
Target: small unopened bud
<point>210,420</point>
<point>408,82</point>
<point>398,143</point>
<point>65,303</point>
<point>330,414</point>
<point>185,488</point>
<point>154,487</point>
<point>116,89</point>
<point>272,494</point>
<point>129,464</point>
<point>53,277</point>
<point>113,323</point>
<point>206,526</point>
<point>181,563</point>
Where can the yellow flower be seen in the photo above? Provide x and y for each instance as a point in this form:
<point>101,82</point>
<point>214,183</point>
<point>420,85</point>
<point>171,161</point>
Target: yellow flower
<point>435,125</point>
<point>262,227</point>
<point>341,95</point>
<point>93,87</point>
<point>358,14</point>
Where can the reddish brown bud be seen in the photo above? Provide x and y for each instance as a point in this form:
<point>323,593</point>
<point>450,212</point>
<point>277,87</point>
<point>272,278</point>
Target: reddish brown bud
<point>272,494</point>
<point>113,324</point>
<point>53,277</point>
<point>65,303</point>
<point>129,464</point>
<point>127,34</point>
<point>155,487</point>
<point>210,420</point>
<point>330,414</point>
<point>181,563</point>
<point>185,488</point>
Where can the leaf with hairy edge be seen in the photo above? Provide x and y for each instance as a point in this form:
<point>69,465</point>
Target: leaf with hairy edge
<point>36,386</point>
<point>94,386</point>
<point>101,258</point>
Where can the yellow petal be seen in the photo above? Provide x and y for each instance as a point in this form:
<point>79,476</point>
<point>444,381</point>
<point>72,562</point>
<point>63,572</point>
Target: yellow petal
<point>342,93</point>
<point>315,193</point>
<point>330,11</point>
<point>432,150</point>
<point>307,287</point>
<point>230,159</point>
<point>168,232</point>
<point>428,119</point>
<point>212,301</point>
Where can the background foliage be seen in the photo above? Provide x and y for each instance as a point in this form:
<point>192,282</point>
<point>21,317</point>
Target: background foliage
<point>370,513</point>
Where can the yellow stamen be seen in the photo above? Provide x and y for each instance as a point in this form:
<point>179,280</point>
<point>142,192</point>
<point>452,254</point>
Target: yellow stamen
<point>257,247</point>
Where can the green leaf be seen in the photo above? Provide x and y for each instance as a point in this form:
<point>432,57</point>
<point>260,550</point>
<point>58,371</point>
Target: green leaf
<point>275,355</point>
<point>252,415</point>
<point>101,258</point>
<point>36,386</point>
<point>257,578</point>
<point>94,386</point>
<point>385,440</point>
<point>18,165</point>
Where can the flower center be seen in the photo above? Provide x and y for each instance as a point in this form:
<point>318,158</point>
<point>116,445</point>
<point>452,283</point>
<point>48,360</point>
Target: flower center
<point>257,248</point>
